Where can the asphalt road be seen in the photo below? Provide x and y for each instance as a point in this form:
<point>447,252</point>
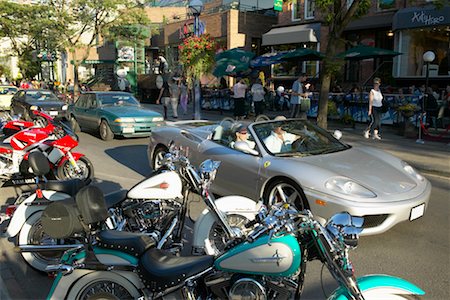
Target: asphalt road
<point>416,251</point>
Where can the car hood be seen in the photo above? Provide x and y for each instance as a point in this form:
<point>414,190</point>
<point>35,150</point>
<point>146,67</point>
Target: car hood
<point>378,171</point>
<point>47,104</point>
<point>131,111</point>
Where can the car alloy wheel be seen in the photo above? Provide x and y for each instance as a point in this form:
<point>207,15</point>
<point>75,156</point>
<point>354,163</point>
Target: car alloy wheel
<point>286,191</point>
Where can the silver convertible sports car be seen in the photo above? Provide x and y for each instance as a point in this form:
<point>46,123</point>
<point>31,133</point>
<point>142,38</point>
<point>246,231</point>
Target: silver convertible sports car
<point>295,161</point>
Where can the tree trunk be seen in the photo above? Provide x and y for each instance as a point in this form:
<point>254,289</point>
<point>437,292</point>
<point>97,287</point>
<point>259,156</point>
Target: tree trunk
<point>75,74</point>
<point>322,113</point>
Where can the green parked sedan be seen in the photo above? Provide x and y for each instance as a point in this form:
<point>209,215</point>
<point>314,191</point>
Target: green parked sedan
<point>112,113</point>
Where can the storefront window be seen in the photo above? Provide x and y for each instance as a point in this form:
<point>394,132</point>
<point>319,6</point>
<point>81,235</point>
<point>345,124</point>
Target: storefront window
<point>413,43</point>
<point>292,68</point>
<point>309,9</point>
<point>296,9</point>
<point>386,4</point>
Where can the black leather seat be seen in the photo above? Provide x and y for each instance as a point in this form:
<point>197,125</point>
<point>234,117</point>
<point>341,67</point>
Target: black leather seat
<point>159,269</point>
<point>114,198</point>
<point>70,187</point>
<point>129,242</point>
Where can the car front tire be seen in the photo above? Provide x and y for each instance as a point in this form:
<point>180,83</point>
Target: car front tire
<point>285,190</point>
<point>106,133</point>
<point>74,124</point>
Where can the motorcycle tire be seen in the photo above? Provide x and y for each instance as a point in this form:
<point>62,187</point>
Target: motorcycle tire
<point>66,170</point>
<point>103,285</point>
<point>32,234</point>
<point>218,239</point>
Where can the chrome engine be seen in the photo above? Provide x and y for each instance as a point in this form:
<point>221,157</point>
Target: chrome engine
<point>153,217</point>
<point>244,287</point>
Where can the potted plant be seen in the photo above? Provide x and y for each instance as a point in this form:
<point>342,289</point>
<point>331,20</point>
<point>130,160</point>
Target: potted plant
<point>407,110</point>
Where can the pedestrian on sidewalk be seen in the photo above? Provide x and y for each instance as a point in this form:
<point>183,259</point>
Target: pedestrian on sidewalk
<point>239,90</point>
<point>174,90</point>
<point>258,93</point>
<point>375,107</point>
<point>164,96</point>
<point>299,97</point>
<point>184,95</point>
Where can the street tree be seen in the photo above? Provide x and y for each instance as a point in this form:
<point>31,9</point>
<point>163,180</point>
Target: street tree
<point>26,28</point>
<point>337,14</point>
<point>86,24</point>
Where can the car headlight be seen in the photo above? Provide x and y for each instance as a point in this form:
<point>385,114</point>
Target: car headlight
<point>412,172</point>
<point>158,119</point>
<point>34,107</point>
<point>347,186</point>
<point>124,120</point>
<point>64,107</point>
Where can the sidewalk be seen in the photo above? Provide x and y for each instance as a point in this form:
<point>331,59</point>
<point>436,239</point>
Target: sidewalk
<point>432,157</point>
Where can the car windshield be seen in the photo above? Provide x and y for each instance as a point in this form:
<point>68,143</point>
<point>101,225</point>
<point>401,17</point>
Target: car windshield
<point>40,96</point>
<point>296,138</point>
<point>117,100</point>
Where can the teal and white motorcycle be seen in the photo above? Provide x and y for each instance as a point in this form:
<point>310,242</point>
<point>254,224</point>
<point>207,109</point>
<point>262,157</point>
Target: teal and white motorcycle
<point>269,263</point>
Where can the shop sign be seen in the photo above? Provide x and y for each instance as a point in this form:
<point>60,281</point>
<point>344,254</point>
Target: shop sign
<point>188,29</point>
<point>421,17</point>
<point>278,5</point>
<point>125,54</point>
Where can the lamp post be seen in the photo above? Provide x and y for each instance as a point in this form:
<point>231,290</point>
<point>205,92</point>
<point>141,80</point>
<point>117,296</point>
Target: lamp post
<point>196,7</point>
<point>428,57</point>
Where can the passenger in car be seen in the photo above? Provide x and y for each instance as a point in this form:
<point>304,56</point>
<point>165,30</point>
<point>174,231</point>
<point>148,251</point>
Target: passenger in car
<point>241,135</point>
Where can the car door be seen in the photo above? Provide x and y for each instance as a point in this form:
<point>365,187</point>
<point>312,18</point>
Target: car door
<point>91,113</point>
<point>238,173</point>
<point>79,110</point>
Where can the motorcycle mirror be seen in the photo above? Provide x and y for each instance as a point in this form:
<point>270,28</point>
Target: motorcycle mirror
<point>337,134</point>
<point>209,166</point>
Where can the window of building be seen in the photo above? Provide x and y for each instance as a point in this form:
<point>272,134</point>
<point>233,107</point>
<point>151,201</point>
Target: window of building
<point>385,4</point>
<point>413,43</point>
<point>309,9</point>
<point>296,10</point>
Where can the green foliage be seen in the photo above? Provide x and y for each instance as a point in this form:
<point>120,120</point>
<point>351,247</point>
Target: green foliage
<point>28,67</point>
<point>197,55</point>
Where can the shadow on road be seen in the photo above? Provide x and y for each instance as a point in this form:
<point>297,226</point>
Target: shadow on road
<point>133,157</point>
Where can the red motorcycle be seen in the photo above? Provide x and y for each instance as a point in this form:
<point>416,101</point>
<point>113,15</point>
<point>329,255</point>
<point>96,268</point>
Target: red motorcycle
<point>55,140</point>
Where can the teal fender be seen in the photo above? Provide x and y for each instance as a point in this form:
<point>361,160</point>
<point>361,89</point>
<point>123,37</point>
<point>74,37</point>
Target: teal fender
<point>379,285</point>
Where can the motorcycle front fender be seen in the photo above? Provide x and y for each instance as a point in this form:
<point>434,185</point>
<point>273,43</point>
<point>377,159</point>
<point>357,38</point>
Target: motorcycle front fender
<point>379,287</point>
<point>230,205</point>
<point>25,210</point>
<point>75,155</point>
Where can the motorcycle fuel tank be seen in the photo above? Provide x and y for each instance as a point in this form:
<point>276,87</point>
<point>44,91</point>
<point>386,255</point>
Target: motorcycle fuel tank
<point>165,185</point>
<point>281,257</point>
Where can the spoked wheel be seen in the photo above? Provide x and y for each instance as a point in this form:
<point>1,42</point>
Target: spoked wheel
<point>285,191</point>
<point>218,238</point>
<point>158,158</point>
<point>33,234</point>
<point>68,171</point>
<point>40,121</point>
<point>103,285</point>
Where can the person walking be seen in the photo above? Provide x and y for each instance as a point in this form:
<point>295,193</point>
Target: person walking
<point>299,94</point>
<point>258,93</point>
<point>239,90</point>
<point>164,96</point>
<point>184,95</point>
<point>174,90</point>
<point>375,107</point>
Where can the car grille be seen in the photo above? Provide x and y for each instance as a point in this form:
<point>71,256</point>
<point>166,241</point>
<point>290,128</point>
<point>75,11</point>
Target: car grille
<point>374,220</point>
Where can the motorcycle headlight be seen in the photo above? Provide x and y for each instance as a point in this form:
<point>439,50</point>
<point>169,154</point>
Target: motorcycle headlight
<point>347,186</point>
<point>34,107</point>
<point>412,172</point>
<point>345,229</point>
<point>64,107</point>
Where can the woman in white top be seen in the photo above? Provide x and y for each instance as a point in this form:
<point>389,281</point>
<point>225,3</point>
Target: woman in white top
<point>375,106</point>
<point>239,90</point>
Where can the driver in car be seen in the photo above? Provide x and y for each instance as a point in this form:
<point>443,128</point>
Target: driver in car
<point>280,140</point>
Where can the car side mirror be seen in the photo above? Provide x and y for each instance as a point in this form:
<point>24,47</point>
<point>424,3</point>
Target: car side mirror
<point>337,134</point>
<point>245,147</point>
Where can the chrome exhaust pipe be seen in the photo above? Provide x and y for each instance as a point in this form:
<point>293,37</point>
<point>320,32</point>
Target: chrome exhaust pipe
<point>64,269</point>
<point>43,248</point>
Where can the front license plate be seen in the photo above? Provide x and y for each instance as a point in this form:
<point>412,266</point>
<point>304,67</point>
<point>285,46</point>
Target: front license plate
<point>417,212</point>
<point>128,130</point>
<point>53,113</point>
